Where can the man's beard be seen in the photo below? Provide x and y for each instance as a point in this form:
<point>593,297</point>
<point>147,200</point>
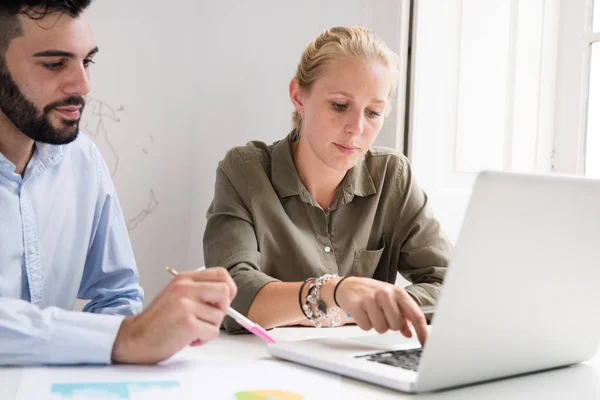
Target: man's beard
<point>25,116</point>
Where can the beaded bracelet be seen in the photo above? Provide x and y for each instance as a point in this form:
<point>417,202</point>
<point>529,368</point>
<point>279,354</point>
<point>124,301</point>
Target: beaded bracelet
<point>300,296</point>
<point>315,309</point>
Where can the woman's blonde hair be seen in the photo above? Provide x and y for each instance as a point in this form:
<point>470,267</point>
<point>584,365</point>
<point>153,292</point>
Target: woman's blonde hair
<point>341,41</point>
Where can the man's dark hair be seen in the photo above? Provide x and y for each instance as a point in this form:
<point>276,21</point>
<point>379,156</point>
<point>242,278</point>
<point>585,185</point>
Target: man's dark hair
<point>34,9</point>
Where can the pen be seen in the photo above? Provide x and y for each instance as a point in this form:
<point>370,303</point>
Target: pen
<point>243,321</point>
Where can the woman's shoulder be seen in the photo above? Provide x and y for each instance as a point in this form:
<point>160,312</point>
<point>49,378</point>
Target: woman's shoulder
<point>253,153</point>
<point>385,161</point>
<point>249,161</point>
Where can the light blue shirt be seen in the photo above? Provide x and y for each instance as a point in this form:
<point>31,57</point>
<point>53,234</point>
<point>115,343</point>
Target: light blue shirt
<point>63,237</point>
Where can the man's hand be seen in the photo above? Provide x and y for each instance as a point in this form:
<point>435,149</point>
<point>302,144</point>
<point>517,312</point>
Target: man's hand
<point>380,305</point>
<point>188,311</point>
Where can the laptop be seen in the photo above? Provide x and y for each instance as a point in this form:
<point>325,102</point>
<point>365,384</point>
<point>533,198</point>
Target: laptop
<point>521,294</point>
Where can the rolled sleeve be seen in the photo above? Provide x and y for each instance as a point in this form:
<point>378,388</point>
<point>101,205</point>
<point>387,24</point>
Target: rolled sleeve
<point>425,250</point>
<point>230,242</point>
<point>249,281</point>
<point>110,279</point>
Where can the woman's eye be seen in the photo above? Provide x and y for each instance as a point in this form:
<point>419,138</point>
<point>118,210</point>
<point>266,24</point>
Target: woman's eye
<point>338,106</point>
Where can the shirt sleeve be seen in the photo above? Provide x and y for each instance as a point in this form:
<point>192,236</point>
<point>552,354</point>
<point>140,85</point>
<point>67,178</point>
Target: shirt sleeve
<point>230,242</point>
<point>425,251</point>
<point>110,278</point>
<point>31,335</point>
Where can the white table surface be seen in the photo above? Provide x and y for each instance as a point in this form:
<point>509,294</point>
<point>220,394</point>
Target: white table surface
<point>579,382</point>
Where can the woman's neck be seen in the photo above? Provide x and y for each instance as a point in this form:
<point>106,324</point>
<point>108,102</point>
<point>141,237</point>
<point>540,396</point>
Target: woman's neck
<point>320,180</point>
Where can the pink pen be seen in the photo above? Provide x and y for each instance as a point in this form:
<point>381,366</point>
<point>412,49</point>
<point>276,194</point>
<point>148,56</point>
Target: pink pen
<point>240,319</point>
<point>250,326</point>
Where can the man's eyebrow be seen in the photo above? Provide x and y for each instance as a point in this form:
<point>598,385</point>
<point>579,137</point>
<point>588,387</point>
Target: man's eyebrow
<point>61,53</point>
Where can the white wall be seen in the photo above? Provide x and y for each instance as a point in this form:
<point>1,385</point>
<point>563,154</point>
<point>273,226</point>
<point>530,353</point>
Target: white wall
<point>196,80</point>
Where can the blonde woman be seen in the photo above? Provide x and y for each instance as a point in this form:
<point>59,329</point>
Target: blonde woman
<point>314,228</point>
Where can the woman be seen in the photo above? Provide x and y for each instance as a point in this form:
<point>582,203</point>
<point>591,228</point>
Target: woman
<point>291,221</point>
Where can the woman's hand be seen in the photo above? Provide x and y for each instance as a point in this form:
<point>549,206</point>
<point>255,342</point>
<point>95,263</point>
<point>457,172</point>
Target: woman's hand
<point>380,305</point>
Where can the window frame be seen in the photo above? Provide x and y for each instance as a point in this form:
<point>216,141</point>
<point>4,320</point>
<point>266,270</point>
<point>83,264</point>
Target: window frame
<point>575,38</point>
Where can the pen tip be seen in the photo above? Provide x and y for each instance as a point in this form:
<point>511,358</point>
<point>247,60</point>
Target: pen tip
<point>171,270</point>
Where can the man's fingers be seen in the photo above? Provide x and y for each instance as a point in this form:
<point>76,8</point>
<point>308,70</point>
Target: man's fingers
<point>217,293</point>
<point>210,314</point>
<point>204,332</point>
<point>202,321</point>
<point>214,274</point>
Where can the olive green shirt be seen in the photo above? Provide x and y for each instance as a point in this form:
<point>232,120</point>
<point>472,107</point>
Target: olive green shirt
<point>264,226</point>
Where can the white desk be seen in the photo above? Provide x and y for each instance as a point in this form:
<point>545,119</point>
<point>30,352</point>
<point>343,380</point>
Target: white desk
<point>581,382</point>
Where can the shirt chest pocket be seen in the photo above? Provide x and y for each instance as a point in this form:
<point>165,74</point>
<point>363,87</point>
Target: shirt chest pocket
<point>366,261</point>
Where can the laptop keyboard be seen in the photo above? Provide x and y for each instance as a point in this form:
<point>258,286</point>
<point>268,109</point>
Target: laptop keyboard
<point>407,359</point>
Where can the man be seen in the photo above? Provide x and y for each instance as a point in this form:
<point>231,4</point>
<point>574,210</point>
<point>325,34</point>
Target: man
<point>62,232</point>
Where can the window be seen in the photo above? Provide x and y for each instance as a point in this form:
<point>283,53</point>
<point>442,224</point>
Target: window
<point>483,71</point>
<point>592,147</point>
<point>596,18</point>
<point>577,123</point>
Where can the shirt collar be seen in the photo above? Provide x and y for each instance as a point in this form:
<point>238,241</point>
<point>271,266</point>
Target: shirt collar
<point>358,180</point>
<point>44,156</point>
<point>7,168</point>
<point>49,154</point>
<point>5,160</point>
<point>285,179</point>
<point>283,171</point>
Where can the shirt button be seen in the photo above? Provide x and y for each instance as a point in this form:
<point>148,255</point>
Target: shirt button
<point>32,250</point>
<point>327,249</point>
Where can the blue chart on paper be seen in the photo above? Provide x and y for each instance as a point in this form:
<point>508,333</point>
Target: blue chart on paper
<point>111,390</point>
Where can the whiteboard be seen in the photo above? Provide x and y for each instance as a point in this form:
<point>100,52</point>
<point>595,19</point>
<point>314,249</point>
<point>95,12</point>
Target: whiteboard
<point>178,83</point>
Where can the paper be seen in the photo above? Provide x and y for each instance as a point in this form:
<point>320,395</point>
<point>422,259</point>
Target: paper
<point>268,395</point>
<point>206,378</point>
<point>116,390</point>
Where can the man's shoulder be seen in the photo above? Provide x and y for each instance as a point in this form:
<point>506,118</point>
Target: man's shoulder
<point>84,149</point>
<point>88,160</point>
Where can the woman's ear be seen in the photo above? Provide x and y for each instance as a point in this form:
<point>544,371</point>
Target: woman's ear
<point>297,96</point>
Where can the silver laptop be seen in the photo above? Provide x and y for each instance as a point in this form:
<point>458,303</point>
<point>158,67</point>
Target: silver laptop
<point>522,294</point>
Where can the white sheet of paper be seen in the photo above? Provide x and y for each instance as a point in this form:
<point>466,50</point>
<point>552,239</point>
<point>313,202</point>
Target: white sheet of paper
<point>180,378</point>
